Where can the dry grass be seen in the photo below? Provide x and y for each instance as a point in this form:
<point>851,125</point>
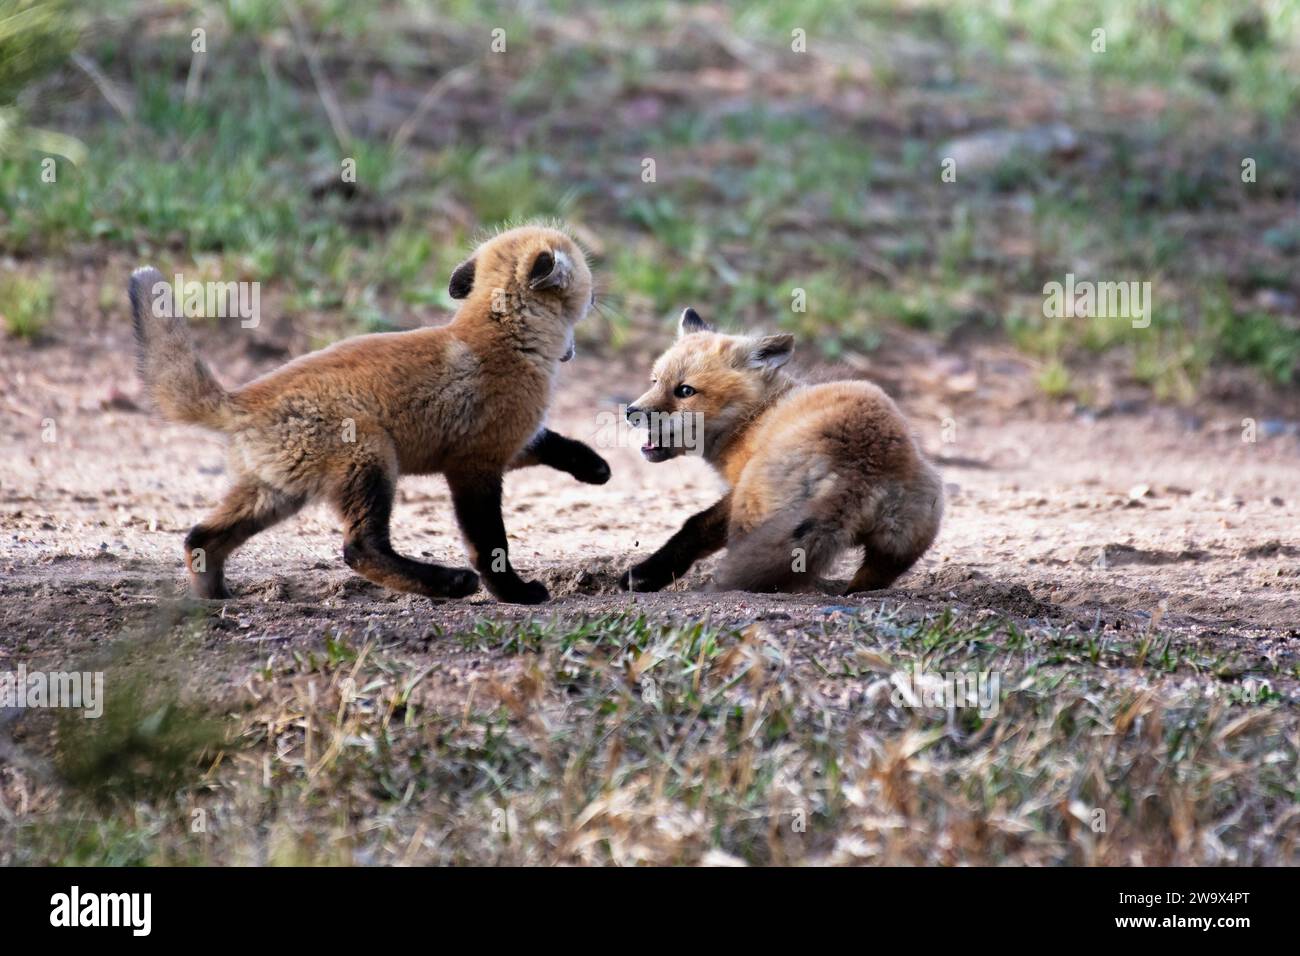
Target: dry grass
<point>618,741</point>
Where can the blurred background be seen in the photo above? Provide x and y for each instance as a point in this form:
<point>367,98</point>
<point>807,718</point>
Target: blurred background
<point>794,146</point>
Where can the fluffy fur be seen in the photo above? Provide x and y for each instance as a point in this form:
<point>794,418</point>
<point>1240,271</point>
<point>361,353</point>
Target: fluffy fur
<point>812,469</point>
<point>465,400</point>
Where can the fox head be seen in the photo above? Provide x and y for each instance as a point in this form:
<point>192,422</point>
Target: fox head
<point>533,281</point>
<point>707,388</point>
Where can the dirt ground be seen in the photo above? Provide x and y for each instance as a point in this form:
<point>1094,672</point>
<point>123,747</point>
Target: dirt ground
<point>1130,516</point>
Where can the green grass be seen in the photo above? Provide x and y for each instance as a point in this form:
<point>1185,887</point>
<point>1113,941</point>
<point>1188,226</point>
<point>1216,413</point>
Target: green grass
<point>808,182</point>
<point>500,187</point>
<point>1245,52</point>
<point>204,180</point>
<point>836,316</point>
<point>1265,342</point>
<point>26,304</point>
<point>36,37</point>
<point>148,744</point>
<point>201,177</point>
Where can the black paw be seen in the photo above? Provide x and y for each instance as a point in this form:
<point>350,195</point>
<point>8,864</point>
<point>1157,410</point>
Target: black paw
<point>521,592</point>
<point>462,583</point>
<point>206,590</point>
<point>590,468</point>
<point>639,581</point>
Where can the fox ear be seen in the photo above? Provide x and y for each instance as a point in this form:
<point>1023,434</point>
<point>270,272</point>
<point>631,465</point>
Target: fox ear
<point>549,271</point>
<point>691,322</point>
<point>462,280</point>
<point>771,351</point>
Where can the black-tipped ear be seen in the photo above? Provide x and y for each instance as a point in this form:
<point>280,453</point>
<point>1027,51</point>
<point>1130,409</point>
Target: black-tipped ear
<point>462,280</point>
<point>543,265</point>
<point>549,271</point>
<point>772,351</point>
<point>691,322</point>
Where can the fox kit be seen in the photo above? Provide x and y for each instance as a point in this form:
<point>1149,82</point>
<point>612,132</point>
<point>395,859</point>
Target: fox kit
<point>811,469</point>
<point>465,400</point>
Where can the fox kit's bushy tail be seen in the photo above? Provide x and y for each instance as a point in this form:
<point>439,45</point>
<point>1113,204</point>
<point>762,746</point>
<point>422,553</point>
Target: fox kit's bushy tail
<point>787,552</point>
<point>175,377</point>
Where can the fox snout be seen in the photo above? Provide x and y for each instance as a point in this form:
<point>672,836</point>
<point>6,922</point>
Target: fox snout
<point>642,414</point>
<point>664,432</point>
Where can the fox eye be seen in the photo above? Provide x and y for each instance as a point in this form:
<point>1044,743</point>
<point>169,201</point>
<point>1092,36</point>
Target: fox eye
<point>683,391</point>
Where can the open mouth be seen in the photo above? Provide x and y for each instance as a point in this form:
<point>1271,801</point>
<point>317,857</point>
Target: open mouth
<point>652,452</point>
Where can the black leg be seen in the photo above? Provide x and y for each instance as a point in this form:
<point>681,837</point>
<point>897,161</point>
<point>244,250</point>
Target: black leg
<point>365,501</point>
<point>477,499</point>
<point>563,454</point>
<point>249,507</point>
<point>703,533</point>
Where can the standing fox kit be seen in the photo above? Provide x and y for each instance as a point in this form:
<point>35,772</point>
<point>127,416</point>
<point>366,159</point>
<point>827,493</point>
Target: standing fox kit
<point>465,400</point>
<point>811,469</point>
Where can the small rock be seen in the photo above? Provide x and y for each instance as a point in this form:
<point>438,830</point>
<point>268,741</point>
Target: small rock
<point>118,400</point>
<point>1275,300</point>
<point>985,151</point>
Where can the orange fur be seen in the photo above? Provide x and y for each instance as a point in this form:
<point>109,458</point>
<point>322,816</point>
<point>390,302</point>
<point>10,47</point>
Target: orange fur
<point>812,469</point>
<point>466,400</point>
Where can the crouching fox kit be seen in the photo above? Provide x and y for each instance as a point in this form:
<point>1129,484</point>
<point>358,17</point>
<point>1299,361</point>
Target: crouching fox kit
<point>465,400</point>
<point>812,470</point>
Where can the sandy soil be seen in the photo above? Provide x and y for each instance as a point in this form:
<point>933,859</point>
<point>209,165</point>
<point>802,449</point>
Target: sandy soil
<point>1056,516</point>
